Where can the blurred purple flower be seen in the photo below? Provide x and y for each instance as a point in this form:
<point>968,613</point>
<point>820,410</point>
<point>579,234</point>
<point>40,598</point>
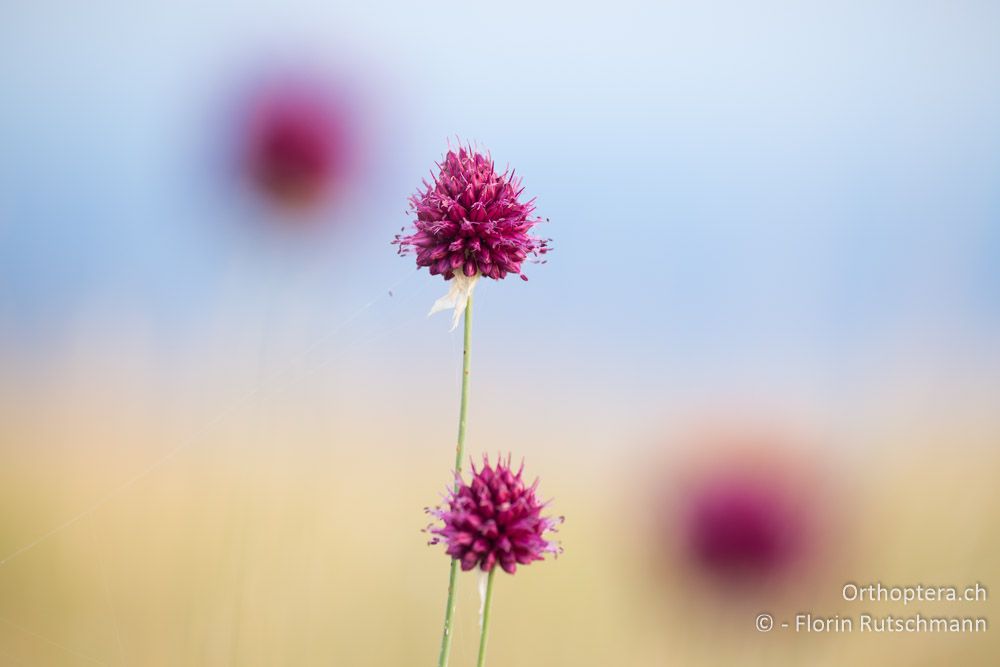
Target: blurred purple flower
<point>494,519</point>
<point>742,526</point>
<point>471,220</point>
<point>297,145</point>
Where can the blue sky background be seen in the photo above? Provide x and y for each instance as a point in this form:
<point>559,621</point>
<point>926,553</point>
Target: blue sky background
<point>726,183</point>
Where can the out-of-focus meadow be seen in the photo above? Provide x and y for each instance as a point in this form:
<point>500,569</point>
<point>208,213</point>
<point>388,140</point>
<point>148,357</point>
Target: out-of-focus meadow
<point>761,362</point>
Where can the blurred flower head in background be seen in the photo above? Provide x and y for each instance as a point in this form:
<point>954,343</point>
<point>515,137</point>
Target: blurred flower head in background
<point>297,146</point>
<point>742,526</point>
<point>745,508</point>
<point>495,519</point>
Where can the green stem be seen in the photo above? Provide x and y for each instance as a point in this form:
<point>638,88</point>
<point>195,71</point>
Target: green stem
<point>486,619</point>
<point>464,407</point>
<point>449,611</point>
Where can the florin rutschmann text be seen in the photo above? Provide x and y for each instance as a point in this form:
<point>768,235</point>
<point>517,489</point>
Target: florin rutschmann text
<point>871,594</point>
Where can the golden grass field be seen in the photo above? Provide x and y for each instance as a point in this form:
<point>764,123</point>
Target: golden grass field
<point>290,536</point>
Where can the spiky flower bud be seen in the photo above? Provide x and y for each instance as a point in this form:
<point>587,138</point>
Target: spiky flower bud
<point>494,519</point>
<point>471,222</point>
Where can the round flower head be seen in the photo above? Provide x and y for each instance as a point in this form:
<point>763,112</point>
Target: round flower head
<point>746,506</point>
<point>743,527</point>
<point>471,222</point>
<point>495,519</point>
<point>297,144</point>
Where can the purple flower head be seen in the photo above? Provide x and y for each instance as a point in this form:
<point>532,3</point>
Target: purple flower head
<point>748,507</point>
<point>494,519</point>
<point>471,220</point>
<point>743,527</point>
<point>298,146</point>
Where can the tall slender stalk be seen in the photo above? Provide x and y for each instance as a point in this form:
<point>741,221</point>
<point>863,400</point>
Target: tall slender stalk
<point>481,662</point>
<point>449,612</point>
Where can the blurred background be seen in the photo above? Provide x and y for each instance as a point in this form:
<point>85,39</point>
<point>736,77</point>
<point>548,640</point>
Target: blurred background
<point>762,361</point>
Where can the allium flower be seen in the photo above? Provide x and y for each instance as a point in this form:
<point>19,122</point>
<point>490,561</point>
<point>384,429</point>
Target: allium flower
<point>494,519</point>
<point>471,222</point>
<point>297,144</point>
<point>747,506</point>
<point>739,526</point>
